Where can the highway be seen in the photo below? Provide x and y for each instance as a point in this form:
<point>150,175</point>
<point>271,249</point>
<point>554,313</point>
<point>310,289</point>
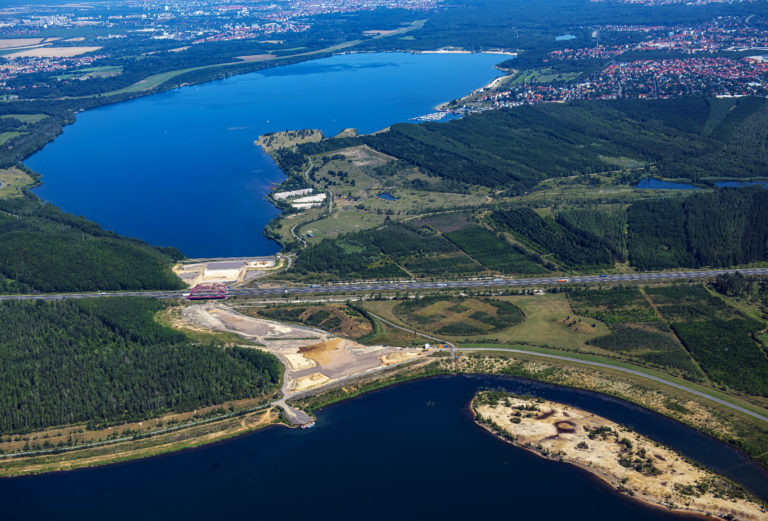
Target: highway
<point>359,287</point>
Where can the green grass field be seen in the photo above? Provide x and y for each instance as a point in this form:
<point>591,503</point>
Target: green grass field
<point>27,118</point>
<point>7,136</point>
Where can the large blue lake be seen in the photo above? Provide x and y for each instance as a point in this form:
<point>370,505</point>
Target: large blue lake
<point>180,168</point>
<point>407,452</point>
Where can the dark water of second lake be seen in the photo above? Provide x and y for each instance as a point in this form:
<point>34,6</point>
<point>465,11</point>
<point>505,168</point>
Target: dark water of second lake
<point>407,452</point>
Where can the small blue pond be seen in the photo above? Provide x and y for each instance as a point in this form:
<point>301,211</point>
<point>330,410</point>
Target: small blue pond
<point>658,184</point>
<point>565,37</point>
<point>741,184</point>
<point>388,197</point>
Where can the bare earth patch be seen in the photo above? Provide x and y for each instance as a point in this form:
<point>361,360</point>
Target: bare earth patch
<point>324,352</point>
<point>297,361</point>
<point>15,43</point>
<point>256,57</point>
<point>396,358</point>
<point>53,52</point>
<point>626,460</point>
<point>310,381</point>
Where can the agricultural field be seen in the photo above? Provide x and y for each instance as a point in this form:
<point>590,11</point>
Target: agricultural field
<point>107,71</point>
<point>12,181</point>
<point>460,316</point>
<point>615,305</point>
<point>26,118</point>
<point>542,75</point>
<point>548,321</point>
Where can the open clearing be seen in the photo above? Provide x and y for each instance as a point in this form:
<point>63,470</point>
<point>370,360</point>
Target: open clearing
<point>53,52</point>
<point>549,322</point>
<point>17,43</point>
<point>12,181</point>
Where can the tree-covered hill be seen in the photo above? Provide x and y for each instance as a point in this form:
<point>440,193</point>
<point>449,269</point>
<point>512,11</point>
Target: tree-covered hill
<point>107,361</point>
<point>45,249</point>
<point>693,138</point>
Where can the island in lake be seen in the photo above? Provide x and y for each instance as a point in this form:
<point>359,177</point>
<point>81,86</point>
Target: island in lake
<point>628,461</point>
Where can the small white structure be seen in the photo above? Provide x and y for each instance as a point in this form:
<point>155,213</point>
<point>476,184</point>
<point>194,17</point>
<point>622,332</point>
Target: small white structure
<point>293,193</point>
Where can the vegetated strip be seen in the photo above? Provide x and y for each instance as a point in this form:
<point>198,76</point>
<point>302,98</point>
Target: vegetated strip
<point>135,437</point>
<point>624,370</point>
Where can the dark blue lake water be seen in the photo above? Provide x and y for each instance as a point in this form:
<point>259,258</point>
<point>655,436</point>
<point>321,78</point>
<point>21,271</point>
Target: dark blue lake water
<point>181,169</point>
<point>407,452</point>
<point>658,184</point>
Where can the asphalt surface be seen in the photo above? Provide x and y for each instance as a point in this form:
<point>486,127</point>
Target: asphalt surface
<point>406,285</point>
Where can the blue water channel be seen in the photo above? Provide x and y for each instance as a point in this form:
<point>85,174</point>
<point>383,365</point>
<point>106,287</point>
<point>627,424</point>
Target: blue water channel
<point>181,169</point>
<point>407,452</point>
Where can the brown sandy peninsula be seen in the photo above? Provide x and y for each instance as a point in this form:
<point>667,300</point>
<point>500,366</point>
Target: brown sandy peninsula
<point>628,461</point>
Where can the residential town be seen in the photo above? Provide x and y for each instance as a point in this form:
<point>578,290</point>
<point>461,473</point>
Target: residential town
<point>725,57</point>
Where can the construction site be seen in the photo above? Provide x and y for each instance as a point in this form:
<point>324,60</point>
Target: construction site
<point>313,358</point>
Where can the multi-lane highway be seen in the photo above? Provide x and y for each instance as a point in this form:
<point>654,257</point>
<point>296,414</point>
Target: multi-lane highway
<point>361,287</point>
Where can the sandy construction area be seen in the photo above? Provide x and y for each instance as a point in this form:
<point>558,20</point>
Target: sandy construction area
<point>324,352</point>
<point>396,358</point>
<point>305,351</point>
<point>297,361</point>
<point>625,459</point>
<point>310,381</point>
<point>52,52</point>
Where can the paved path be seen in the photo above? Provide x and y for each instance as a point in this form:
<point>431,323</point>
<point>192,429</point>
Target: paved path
<point>623,370</point>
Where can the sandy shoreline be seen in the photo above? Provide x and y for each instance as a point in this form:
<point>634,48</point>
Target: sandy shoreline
<point>630,463</point>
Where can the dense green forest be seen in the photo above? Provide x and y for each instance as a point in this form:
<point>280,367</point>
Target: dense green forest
<point>107,361</point>
<point>546,234</point>
<point>723,228</point>
<point>694,138</point>
<point>45,249</point>
<point>606,226</point>
<point>728,353</point>
<point>637,331</point>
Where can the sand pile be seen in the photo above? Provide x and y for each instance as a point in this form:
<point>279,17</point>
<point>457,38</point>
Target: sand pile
<point>397,357</point>
<point>310,381</point>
